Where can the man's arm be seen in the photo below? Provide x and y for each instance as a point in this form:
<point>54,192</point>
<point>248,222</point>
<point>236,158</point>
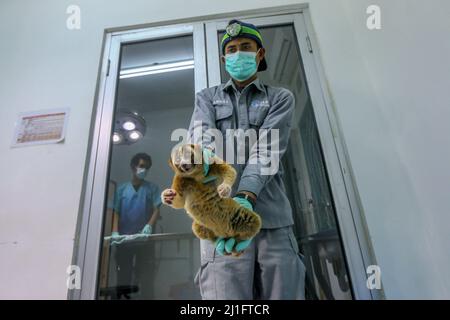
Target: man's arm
<point>116,208</point>
<point>115,226</point>
<point>154,216</point>
<point>156,200</point>
<point>279,118</point>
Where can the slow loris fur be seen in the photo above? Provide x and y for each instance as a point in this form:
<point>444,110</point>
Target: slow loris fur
<point>214,214</point>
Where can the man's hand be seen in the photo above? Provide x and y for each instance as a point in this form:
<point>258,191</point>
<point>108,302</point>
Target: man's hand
<point>225,246</point>
<point>116,238</point>
<point>167,196</point>
<point>147,230</point>
<point>244,202</point>
<point>114,235</point>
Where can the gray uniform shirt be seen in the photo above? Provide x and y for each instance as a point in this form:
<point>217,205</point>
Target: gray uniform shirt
<point>257,106</point>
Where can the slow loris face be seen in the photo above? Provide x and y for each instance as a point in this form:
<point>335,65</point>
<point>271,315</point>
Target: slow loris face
<point>187,160</point>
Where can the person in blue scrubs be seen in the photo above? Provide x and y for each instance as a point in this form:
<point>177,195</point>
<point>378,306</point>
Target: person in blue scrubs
<point>136,209</point>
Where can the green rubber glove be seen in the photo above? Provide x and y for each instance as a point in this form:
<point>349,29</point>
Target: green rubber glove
<point>207,155</point>
<point>147,230</point>
<point>226,245</point>
<point>114,234</point>
<point>243,202</point>
<point>116,238</point>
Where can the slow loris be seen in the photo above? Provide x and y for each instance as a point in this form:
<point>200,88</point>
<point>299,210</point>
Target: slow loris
<point>206,198</point>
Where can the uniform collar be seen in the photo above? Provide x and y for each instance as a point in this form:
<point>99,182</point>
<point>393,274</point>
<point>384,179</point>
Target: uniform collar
<point>131,188</point>
<point>257,83</point>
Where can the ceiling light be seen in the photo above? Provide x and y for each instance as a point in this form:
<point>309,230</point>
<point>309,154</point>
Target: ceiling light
<point>135,135</point>
<point>154,69</point>
<point>129,125</point>
<point>117,138</point>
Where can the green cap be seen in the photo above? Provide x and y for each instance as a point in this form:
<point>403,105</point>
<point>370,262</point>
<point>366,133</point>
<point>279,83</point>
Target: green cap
<point>238,29</point>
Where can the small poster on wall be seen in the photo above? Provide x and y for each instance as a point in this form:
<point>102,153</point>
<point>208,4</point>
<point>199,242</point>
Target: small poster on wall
<point>40,127</point>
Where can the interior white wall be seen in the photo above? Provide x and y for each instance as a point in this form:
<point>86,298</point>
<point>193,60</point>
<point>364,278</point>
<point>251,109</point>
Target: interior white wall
<point>388,89</point>
<point>396,130</point>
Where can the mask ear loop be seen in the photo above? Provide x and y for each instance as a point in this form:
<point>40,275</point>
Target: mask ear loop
<point>259,60</point>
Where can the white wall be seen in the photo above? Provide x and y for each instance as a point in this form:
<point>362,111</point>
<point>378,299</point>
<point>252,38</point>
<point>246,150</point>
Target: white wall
<point>388,87</point>
<point>398,138</point>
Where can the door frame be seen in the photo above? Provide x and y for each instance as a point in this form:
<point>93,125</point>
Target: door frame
<point>90,228</point>
<point>351,222</point>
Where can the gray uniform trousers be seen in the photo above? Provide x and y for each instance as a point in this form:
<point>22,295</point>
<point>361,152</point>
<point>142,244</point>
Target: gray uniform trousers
<point>269,269</point>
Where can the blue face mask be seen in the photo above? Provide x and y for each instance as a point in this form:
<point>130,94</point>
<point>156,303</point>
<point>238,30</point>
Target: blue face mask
<point>241,65</point>
<point>141,173</point>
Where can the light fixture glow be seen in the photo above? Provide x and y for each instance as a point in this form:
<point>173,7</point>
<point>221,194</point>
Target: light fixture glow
<point>135,135</point>
<point>161,68</point>
<point>117,137</point>
<point>129,125</point>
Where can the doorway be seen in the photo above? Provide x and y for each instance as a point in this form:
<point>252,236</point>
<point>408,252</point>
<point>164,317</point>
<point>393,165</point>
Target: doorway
<point>305,175</point>
<point>155,97</point>
<point>150,79</point>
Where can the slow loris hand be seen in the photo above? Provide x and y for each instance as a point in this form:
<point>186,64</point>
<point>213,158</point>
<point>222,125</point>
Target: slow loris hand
<point>168,195</point>
<point>224,190</point>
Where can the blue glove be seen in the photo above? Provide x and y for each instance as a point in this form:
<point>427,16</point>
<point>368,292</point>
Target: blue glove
<point>226,245</point>
<point>116,238</point>
<point>147,230</point>
<point>207,155</point>
<point>114,234</point>
<point>244,202</point>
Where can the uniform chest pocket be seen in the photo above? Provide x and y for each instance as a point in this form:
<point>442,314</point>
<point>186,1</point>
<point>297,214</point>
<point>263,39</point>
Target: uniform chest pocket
<point>256,115</point>
<point>224,115</point>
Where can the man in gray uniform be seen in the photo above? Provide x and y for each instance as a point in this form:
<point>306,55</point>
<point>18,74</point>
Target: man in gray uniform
<point>269,267</point>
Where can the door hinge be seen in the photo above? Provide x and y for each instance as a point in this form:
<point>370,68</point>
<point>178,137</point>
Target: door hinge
<point>308,41</point>
<point>107,67</point>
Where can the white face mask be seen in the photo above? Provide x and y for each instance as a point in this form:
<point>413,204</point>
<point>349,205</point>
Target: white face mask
<point>141,173</point>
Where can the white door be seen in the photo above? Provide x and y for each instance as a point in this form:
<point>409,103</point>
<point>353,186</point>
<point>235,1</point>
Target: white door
<point>313,172</point>
<point>148,86</point>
